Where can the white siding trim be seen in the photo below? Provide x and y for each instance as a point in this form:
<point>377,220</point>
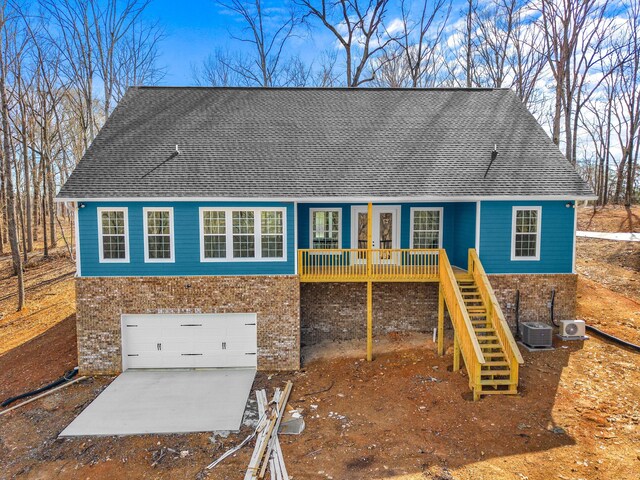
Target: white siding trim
<point>76,217</point>
<point>126,235</point>
<point>426,209</point>
<point>257,233</point>
<point>575,228</point>
<point>514,210</point>
<point>478,213</point>
<point>328,209</point>
<point>295,238</point>
<point>172,259</point>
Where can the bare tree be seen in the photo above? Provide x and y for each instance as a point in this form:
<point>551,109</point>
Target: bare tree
<point>220,69</point>
<point>359,28</point>
<point>528,57</point>
<point>326,74</point>
<point>265,63</point>
<point>575,30</point>
<point>7,155</point>
<point>417,55</point>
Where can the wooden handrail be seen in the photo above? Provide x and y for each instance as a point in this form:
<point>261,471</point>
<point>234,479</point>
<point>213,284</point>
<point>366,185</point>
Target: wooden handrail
<point>361,264</point>
<point>469,345</point>
<point>495,315</point>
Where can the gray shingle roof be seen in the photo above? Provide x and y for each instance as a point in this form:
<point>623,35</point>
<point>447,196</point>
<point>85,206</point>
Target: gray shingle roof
<point>327,143</point>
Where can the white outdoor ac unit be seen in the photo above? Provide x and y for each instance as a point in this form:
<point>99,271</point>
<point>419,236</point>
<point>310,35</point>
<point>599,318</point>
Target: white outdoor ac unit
<point>572,329</point>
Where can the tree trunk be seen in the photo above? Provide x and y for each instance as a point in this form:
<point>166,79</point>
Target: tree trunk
<point>36,196</point>
<point>469,43</point>
<point>52,206</point>
<point>27,185</point>
<point>11,211</point>
<point>44,209</point>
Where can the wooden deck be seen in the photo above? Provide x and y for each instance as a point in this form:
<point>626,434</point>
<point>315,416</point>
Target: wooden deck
<point>364,265</point>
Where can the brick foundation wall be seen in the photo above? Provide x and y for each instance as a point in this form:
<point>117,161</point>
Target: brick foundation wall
<point>338,311</point>
<point>102,301</point>
<point>535,294</point>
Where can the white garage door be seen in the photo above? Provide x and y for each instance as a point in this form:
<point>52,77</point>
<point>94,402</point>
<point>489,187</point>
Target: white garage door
<point>189,341</point>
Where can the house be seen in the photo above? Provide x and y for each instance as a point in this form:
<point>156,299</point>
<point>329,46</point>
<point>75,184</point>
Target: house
<point>228,226</point>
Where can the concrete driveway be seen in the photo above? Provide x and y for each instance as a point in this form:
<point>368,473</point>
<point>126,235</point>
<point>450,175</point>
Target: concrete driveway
<point>167,401</point>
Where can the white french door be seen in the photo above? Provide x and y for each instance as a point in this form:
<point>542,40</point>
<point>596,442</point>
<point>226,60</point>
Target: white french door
<point>385,231</point>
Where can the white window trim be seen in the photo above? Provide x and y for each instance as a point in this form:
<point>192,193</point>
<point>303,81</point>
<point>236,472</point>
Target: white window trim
<point>257,233</point>
<point>101,258</point>
<point>311,212</point>
<point>427,209</point>
<point>146,210</point>
<point>514,212</point>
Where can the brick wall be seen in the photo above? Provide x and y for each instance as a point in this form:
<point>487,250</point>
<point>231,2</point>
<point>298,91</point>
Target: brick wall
<point>535,294</point>
<point>338,311</point>
<point>101,302</point>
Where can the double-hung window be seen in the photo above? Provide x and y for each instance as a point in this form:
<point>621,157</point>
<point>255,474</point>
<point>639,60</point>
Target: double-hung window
<point>525,239</point>
<point>158,235</point>
<point>272,234</point>
<point>325,228</point>
<point>113,245</point>
<point>242,234</point>
<point>214,234</point>
<point>426,228</point>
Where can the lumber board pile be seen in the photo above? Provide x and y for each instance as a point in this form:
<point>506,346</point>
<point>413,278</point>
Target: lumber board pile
<point>267,453</point>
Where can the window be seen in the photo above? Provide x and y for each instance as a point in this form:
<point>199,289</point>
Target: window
<point>241,234</point>
<point>113,245</point>
<point>272,239</point>
<point>215,234</point>
<point>325,228</point>
<point>158,234</point>
<point>426,228</point>
<point>244,240</point>
<point>525,241</point>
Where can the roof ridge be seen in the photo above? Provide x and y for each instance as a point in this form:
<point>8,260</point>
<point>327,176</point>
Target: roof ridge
<point>351,89</point>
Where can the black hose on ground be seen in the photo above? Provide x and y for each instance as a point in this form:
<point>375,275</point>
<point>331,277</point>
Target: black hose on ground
<point>552,305</point>
<point>517,313</point>
<point>619,341</point>
<point>63,379</point>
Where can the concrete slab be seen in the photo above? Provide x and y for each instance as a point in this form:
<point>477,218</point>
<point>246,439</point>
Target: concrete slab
<point>167,401</point>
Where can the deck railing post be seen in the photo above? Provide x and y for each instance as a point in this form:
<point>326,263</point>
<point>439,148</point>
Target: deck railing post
<point>456,353</point>
<point>440,320</point>
<point>369,321</point>
<point>369,285</point>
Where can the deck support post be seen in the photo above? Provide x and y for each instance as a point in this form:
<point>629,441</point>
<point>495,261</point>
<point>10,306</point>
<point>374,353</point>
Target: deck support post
<point>440,321</point>
<point>369,283</point>
<point>369,321</point>
<point>456,353</point>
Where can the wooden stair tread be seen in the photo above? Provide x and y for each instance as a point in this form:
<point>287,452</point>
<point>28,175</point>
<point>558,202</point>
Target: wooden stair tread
<point>499,363</point>
<point>496,382</point>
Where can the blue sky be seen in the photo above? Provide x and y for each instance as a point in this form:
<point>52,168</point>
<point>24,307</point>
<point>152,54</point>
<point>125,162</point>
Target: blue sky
<point>195,28</point>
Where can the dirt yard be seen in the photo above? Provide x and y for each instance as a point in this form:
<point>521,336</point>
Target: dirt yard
<point>403,416</point>
<point>615,265</point>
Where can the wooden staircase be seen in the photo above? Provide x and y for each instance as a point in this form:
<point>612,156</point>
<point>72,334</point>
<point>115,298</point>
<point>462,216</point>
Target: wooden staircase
<point>496,376</point>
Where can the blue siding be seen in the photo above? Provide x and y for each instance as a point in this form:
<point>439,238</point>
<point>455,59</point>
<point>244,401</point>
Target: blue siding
<point>459,223</point>
<point>187,243</point>
<point>464,233</point>
<point>556,241</point>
